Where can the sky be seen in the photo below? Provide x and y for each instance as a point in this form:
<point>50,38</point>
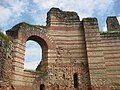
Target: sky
<point>35,12</point>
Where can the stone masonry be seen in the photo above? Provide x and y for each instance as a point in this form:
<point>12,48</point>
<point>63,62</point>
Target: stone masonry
<point>75,54</point>
<point>6,57</point>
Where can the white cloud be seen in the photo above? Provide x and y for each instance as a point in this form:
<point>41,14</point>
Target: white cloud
<point>32,58</point>
<point>11,9</point>
<point>32,65</point>
<point>105,28</point>
<point>4,13</point>
<point>18,7</point>
<point>118,19</point>
<point>84,8</point>
<point>33,55</point>
<point>33,52</point>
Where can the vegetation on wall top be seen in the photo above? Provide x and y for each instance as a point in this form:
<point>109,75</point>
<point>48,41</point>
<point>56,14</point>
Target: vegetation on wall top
<point>112,31</point>
<point>90,19</point>
<point>28,24</point>
<point>5,37</point>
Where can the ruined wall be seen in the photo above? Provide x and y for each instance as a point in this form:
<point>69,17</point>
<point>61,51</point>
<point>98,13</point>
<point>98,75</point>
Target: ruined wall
<point>70,48</point>
<point>6,58</point>
<point>22,79</point>
<point>70,55</point>
<point>112,23</point>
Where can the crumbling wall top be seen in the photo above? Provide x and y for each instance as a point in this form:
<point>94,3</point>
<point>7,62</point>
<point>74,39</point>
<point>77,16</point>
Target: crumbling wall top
<point>59,15</point>
<point>112,23</point>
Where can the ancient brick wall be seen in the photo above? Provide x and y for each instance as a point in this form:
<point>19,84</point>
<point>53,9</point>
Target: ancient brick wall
<point>23,80</point>
<point>112,23</point>
<point>111,45</point>
<point>111,50</point>
<point>75,55</point>
<point>69,56</point>
<point>95,54</point>
<point>6,57</point>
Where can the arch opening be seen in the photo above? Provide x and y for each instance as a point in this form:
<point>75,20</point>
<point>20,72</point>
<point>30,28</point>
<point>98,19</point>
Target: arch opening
<point>33,55</point>
<point>37,49</point>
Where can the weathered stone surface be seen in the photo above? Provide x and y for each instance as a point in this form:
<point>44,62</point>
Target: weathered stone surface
<point>112,23</point>
<point>6,58</point>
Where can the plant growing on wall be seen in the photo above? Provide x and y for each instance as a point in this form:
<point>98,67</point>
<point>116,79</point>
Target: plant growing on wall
<point>5,37</point>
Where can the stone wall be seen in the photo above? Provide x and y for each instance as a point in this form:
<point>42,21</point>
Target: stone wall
<point>70,48</point>
<point>112,23</point>
<point>6,58</point>
<point>69,56</point>
<point>111,45</point>
<point>95,54</point>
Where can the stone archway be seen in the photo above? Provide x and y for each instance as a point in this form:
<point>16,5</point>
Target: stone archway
<point>43,65</point>
<point>21,33</point>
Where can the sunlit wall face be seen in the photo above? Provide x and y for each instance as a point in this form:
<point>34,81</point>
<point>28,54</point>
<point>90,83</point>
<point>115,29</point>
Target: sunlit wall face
<point>33,55</point>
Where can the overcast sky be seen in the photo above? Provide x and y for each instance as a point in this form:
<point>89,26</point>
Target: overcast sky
<point>35,11</point>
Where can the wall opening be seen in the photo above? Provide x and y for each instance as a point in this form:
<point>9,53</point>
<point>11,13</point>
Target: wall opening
<point>33,55</point>
<point>42,44</point>
<point>42,87</point>
<point>75,76</point>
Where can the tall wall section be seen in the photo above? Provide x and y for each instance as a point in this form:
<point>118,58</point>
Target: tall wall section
<point>69,56</point>
<point>95,54</point>
<point>23,79</point>
<point>111,47</point>
<point>6,58</point>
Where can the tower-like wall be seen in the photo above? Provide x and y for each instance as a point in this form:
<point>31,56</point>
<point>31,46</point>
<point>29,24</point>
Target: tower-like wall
<point>70,55</point>
<point>95,54</point>
<point>112,23</point>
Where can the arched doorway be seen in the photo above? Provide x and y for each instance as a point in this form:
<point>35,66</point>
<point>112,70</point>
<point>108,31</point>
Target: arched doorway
<point>43,64</point>
<point>42,87</point>
<point>33,55</point>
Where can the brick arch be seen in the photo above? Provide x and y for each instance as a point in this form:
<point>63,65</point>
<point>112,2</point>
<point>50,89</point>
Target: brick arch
<point>44,46</point>
<point>23,32</point>
<point>42,38</point>
<point>38,33</point>
<point>39,40</point>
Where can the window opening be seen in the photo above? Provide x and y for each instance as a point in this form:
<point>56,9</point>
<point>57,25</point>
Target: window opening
<point>75,80</point>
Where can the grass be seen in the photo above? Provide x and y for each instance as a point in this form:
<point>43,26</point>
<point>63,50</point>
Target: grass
<point>90,19</point>
<point>29,24</point>
<point>5,37</point>
<point>111,31</point>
